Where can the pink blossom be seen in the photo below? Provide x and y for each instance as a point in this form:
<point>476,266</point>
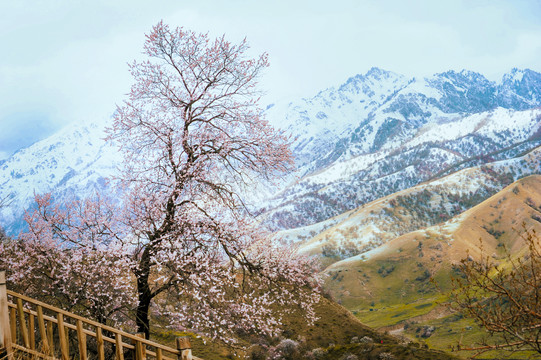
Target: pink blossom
<point>180,241</point>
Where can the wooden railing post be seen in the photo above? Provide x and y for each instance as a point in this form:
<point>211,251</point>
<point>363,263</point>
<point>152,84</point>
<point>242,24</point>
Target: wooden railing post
<point>185,348</point>
<point>62,337</point>
<point>5,328</point>
<point>31,331</point>
<point>13,325</point>
<point>22,323</point>
<point>99,342</point>
<point>43,332</point>
<point>81,339</point>
<point>140,348</point>
<point>50,339</point>
<point>119,347</point>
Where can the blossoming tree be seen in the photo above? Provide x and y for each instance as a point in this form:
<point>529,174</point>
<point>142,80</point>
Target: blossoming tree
<point>68,257</point>
<point>194,142</point>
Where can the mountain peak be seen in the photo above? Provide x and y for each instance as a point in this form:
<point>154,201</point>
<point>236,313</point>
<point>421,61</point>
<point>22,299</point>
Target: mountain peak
<point>514,76</point>
<point>463,76</point>
<point>520,88</point>
<point>379,74</point>
<point>376,71</point>
<point>517,76</point>
<point>374,78</point>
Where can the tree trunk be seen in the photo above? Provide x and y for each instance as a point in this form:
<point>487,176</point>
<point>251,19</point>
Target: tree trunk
<point>142,320</point>
<point>145,296</point>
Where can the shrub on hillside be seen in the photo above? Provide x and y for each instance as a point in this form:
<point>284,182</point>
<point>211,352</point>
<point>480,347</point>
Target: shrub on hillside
<point>504,299</point>
<point>286,349</point>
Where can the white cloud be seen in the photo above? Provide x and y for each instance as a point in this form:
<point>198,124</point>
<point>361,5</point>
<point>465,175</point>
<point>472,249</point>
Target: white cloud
<point>66,60</point>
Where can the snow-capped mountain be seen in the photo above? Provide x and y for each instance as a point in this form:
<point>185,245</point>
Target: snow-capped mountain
<point>365,113</point>
<point>320,122</point>
<point>422,129</point>
<point>75,161</point>
<point>374,135</point>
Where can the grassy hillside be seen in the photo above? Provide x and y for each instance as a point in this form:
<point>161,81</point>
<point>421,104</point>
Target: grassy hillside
<point>336,334</point>
<point>400,286</point>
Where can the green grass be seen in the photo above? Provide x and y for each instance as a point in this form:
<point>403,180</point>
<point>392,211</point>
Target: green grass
<point>405,296</point>
<point>454,329</point>
<point>382,316</point>
<point>406,283</point>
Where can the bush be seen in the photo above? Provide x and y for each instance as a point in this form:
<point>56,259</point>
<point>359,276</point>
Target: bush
<point>287,349</point>
<point>315,354</point>
<point>257,352</point>
<point>503,298</point>
<point>366,340</point>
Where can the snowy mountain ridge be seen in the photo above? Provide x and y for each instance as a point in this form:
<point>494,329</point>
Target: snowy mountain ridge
<point>362,229</point>
<point>76,160</point>
<point>319,122</point>
<point>421,129</point>
<point>356,114</point>
<point>376,134</point>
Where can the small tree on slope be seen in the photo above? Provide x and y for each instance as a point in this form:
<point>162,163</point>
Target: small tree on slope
<point>503,297</point>
<point>194,140</point>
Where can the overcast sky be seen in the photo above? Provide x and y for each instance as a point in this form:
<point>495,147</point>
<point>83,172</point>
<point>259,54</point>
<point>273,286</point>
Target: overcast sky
<point>65,60</point>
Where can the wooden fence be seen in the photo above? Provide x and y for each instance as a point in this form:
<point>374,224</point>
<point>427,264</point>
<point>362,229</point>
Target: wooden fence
<point>44,331</point>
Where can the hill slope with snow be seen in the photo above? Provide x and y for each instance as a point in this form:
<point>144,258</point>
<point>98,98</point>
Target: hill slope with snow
<point>363,229</point>
<point>75,161</point>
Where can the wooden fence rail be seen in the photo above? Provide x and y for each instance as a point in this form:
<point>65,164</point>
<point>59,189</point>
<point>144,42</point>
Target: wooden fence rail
<point>44,331</point>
